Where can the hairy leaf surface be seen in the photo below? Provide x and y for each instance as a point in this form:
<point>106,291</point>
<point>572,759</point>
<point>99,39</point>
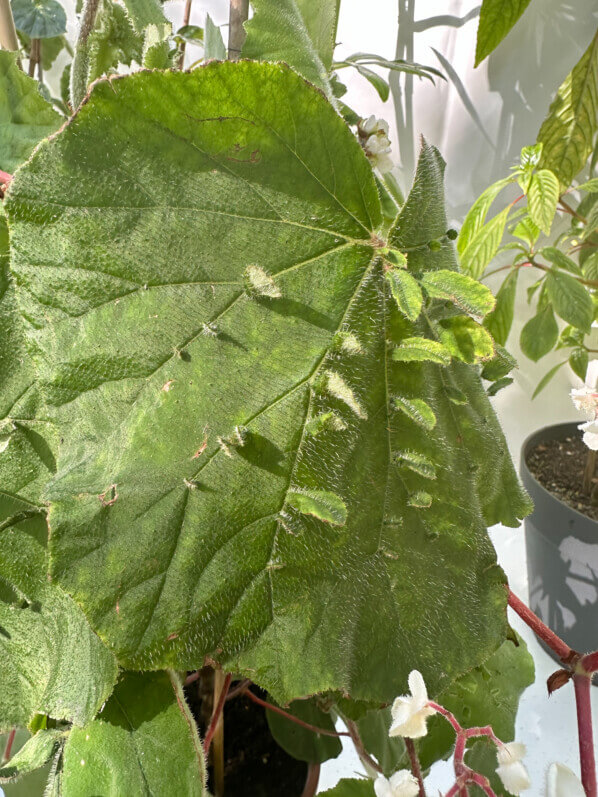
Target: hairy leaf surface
<point>143,742</point>
<point>25,117</point>
<point>50,660</point>
<point>299,32</point>
<point>193,412</point>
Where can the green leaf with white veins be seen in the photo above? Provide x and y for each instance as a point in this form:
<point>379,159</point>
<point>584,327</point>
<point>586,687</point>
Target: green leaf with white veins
<point>25,117</point>
<point>143,742</point>
<point>570,299</point>
<point>542,196</point>
<point>186,404</point>
<point>569,130</point>
<point>299,32</point>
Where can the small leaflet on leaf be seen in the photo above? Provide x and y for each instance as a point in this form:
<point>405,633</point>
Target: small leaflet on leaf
<point>337,387</point>
<point>348,343</point>
<point>420,499</point>
<point>464,291</point>
<point>406,292</point>
<point>418,410</point>
<point>395,257</point>
<point>325,422</point>
<point>324,505</point>
<point>466,340</point>
<point>422,349</point>
<point>259,283</point>
<point>416,462</point>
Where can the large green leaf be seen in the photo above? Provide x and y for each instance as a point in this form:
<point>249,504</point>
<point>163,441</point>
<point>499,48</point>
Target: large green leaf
<point>570,299</point>
<point>500,320</point>
<point>497,17</point>
<point>51,661</point>
<point>351,787</point>
<point>185,400</point>
<point>25,117</point>
<point>39,19</point>
<point>299,32</point>
<point>568,131</point>
<point>143,742</point>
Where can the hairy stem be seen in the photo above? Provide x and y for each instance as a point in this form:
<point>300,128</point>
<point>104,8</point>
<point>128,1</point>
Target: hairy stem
<point>296,720</point>
<point>583,684</point>
<point>9,743</point>
<point>311,783</point>
<point>34,56</point>
<point>555,643</point>
<point>416,769</point>
<point>217,711</point>
<point>239,11</point>
<point>363,754</point>
<point>80,66</point>
<point>186,18</point>
<point>221,686</point>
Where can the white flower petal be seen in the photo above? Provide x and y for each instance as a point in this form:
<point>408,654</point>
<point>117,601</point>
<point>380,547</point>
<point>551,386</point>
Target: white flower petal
<point>417,687</point>
<point>382,787</point>
<point>590,437</point>
<point>510,752</point>
<point>403,784</point>
<point>514,777</point>
<point>562,782</point>
<point>369,125</point>
<point>384,163</point>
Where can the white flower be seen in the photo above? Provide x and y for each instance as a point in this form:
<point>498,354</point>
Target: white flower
<point>586,397</point>
<point>561,782</point>
<point>401,784</point>
<point>410,712</point>
<point>510,768</point>
<point>373,134</point>
<point>590,434</point>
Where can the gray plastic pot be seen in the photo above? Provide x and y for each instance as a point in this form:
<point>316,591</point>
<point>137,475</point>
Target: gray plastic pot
<point>562,556</point>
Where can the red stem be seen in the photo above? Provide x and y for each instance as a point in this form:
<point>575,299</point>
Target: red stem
<point>311,783</point>
<point>363,754</point>
<point>290,717</point>
<point>583,685</point>
<point>216,714</point>
<point>9,743</point>
<point>589,662</point>
<point>555,643</point>
<point>416,769</point>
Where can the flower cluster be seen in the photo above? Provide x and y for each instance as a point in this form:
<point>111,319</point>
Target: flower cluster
<point>373,135</point>
<point>586,399</point>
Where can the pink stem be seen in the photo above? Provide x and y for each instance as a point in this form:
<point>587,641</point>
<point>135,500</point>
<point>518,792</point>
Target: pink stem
<point>555,643</point>
<point>447,715</point>
<point>290,717</point>
<point>9,744</point>
<point>216,714</point>
<point>583,686</point>
<point>416,769</point>
<point>589,662</point>
<point>5,178</point>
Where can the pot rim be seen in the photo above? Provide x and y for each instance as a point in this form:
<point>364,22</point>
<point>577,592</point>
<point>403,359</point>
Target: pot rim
<point>536,437</point>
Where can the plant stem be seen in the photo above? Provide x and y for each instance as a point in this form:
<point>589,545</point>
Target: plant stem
<point>416,769</point>
<point>583,685</point>
<point>568,209</point>
<point>8,749</point>
<point>239,689</point>
<point>363,754</point>
<point>217,711</point>
<point>555,643</point>
<point>186,18</point>
<point>221,686</point>
<point>311,783</point>
<point>34,56</point>
<point>589,471</point>
<point>80,66</point>
<point>290,717</point>
<point>239,11</point>
<point>8,33</point>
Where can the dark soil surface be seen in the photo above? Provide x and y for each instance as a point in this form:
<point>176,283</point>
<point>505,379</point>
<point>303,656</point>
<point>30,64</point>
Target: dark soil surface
<point>559,466</point>
<point>254,765</point>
